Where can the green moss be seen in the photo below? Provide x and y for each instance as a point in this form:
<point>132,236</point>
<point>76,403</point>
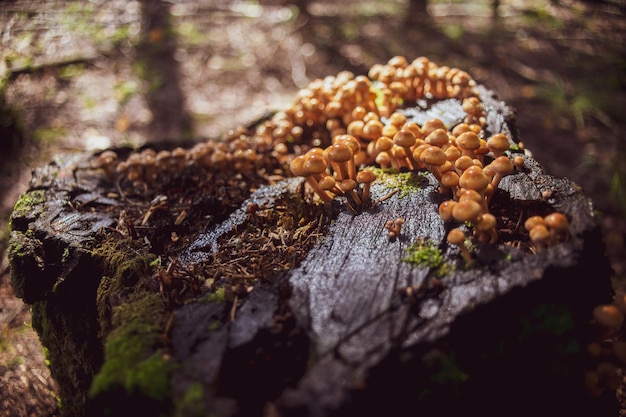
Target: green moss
<point>125,264</point>
<point>444,374</point>
<point>126,261</point>
<point>68,331</point>
<point>215,325</point>
<point>27,201</point>
<point>67,72</point>
<point>192,404</point>
<point>49,135</point>
<point>426,254</point>
<point>404,182</point>
<point>218,295</point>
<point>136,366</point>
<point>552,319</point>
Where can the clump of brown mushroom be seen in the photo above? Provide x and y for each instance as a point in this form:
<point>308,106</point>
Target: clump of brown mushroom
<point>341,125</point>
<point>394,227</point>
<point>548,230</point>
<point>608,348</point>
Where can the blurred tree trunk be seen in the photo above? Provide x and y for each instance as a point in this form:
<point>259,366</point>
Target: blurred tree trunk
<point>418,8</point>
<point>155,54</point>
<point>417,13</point>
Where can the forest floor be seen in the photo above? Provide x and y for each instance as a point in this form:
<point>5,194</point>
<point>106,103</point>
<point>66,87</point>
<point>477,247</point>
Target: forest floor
<point>80,76</point>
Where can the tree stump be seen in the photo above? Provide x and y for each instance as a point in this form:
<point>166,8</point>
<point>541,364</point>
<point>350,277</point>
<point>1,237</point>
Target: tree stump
<point>201,290</point>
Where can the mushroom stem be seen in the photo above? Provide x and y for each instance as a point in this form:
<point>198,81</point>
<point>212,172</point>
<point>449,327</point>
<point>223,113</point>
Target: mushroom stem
<point>457,237</point>
<point>365,177</point>
<point>348,186</point>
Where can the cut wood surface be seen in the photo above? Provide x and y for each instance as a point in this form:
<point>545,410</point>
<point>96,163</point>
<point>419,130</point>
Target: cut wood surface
<point>260,300</point>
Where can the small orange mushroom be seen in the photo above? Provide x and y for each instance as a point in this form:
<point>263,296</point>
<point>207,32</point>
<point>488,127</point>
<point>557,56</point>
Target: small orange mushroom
<point>457,237</point>
<point>557,224</point>
<point>498,143</point>
<point>366,177</point>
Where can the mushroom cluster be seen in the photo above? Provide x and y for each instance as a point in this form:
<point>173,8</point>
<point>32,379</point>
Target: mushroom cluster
<point>608,349</point>
<point>341,126</point>
<point>548,230</point>
<point>394,227</point>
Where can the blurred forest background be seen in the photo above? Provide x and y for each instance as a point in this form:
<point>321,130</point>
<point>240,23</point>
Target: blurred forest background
<point>88,75</point>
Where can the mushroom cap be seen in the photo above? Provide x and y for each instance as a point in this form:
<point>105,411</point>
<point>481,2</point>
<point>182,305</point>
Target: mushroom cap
<point>556,221</point>
<point>327,182</point>
<point>472,105</point>
<point>452,153</point>
<point>314,151</point>
<point>463,162</point>
<point>468,140</point>
<point>372,129</point>
<point>467,194</point>
<point>445,210</point>
<point>532,221</point>
<point>608,315</point>
<point>362,83</point>
<point>417,152</point>
<point>383,158</point>
<point>398,61</point>
<point>134,159</point>
<point>433,155</point>
<point>398,152</point>
<point>456,236</point>
<point>179,152</point>
<point>404,138</point>
<point>397,119</point>
<point>467,210</point>
<point>474,178</point>
<point>314,164</point>
<point>446,166</point>
<point>438,137</point>
<point>365,176</point>
<point>502,165</point>
<point>339,152</point>
<point>449,179</point>
<point>350,140</point>
<point>539,234</point>
<point>482,149</point>
<point>358,113</point>
<point>383,143</point>
<point>389,130</point>
<point>355,127</point>
<point>297,166</point>
<point>498,143</point>
<point>415,128</point>
<point>460,128</point>
<point>107,156</point>
<point>486,222</point>
<point>347,185</point>
<point>431,125</point>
